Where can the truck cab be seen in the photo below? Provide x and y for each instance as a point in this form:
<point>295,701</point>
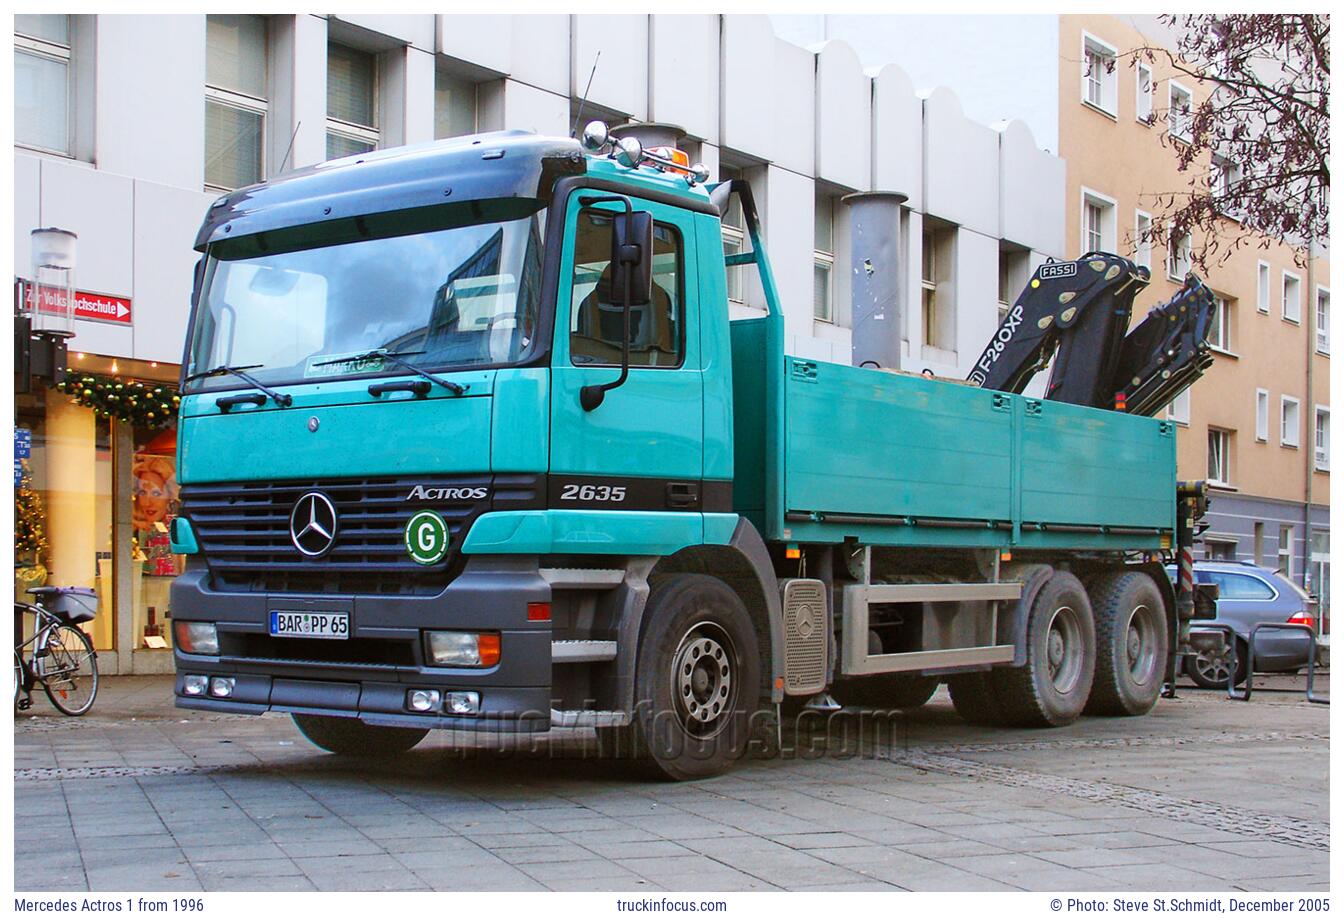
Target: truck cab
<point>468,442</point>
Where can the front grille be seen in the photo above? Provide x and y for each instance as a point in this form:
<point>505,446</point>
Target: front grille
<point>243,532</point>
<point>385,652</point>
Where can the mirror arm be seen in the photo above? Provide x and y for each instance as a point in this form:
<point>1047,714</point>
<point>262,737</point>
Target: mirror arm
<point>591,396</point>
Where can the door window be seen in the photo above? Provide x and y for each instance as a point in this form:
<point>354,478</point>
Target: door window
<point>656,338</point>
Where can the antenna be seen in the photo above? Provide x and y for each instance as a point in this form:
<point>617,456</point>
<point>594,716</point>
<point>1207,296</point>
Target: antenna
<point>573,132</point>
<point>290,148</point>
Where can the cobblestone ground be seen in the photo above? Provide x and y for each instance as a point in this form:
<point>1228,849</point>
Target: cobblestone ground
<point>1203,794</point>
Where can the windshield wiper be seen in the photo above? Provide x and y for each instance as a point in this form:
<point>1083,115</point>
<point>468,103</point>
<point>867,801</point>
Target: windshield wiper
<point>283,400</point>
<point>457,389</point>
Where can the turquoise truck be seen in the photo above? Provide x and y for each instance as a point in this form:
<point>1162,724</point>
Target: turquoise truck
<point>469,441</point>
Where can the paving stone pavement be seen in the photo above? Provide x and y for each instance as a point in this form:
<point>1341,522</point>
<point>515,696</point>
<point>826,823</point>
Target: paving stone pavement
<point>1204,794</point>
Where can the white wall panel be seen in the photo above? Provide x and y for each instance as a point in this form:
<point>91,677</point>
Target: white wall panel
<point>150,120</point>
<point>789,238</point>
<point>961,166</point>
<point>622,77</point>
<point>898,145</point>
<point>1031,189</point>
<point>746,66</point>
<point>411,28</point>
<point>684,73</point>
<point>541,52</point>
<point>27,209</point>
<point>418,97</point>
<point>977,291</point>
<point>165,220</point>
<point>306,95</point>
<point>844,118</point>
<point>485,40</point>
<point>532,109</point>
<point>795,107</point>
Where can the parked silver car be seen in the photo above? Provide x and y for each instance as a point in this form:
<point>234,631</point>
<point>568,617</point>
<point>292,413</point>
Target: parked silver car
<point>1250,594</point>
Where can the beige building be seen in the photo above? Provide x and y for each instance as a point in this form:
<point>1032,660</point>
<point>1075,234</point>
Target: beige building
<point>1257,425</point>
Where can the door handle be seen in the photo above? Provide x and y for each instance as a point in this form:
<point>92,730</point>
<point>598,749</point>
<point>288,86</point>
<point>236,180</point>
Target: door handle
<point>683,494</point>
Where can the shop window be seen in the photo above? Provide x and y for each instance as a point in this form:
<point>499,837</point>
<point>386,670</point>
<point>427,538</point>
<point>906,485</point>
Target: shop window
<point>151,486</point>
<point>597,321</point>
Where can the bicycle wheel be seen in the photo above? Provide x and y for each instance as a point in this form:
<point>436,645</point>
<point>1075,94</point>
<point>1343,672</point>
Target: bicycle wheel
<point>70,673</point>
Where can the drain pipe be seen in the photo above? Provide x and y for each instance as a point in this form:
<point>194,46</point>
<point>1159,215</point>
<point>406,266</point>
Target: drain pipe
<point>875,277</point>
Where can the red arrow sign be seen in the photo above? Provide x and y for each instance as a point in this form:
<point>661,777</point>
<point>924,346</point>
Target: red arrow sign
<point>103,308</point>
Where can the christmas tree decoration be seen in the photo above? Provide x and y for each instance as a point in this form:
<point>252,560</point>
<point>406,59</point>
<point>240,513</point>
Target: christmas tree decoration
<point>30,530</point>
<point>149,405</point>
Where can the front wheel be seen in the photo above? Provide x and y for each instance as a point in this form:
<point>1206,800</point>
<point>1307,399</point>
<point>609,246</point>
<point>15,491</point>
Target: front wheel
<point>355,738</point>
<point>699,680</point>
<point>69,670</point>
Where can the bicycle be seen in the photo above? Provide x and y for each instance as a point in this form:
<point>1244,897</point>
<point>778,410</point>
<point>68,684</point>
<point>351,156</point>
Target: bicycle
<point>59,655</point>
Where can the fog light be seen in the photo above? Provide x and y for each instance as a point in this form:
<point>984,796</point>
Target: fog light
<point>423,700</point>
<point>196,638</point>
<point>463,703</point>
<point>462,649</point>
<point>221,686</point>
<point>194,684</point>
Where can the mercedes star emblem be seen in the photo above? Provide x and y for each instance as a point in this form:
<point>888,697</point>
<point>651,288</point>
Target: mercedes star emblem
<point>312,524</point>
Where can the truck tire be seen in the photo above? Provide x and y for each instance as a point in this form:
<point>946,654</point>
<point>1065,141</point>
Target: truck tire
<point>698,680</point>
<point>975,699</point>
<point>886,691</point>
<point>1131,624</point>
<point>355,738</point>
<point>1052,688</point>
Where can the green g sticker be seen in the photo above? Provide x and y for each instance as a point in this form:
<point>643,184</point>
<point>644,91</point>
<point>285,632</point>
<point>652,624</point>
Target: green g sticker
<point>426,537</point>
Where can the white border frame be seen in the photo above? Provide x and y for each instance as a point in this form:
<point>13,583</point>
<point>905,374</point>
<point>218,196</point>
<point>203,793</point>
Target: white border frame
<point>1284,401</point>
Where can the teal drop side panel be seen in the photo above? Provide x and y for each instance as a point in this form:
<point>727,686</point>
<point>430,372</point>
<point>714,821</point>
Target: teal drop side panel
<point>862,441</point>
<point>1092,466</point>
<point>749,411</point>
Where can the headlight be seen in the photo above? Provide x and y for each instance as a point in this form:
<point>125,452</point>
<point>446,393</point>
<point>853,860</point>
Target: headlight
<point>461,649</point>
<point>196,638</point>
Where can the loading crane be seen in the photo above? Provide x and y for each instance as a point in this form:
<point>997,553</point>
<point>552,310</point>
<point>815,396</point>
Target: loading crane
<point>1078,313</point>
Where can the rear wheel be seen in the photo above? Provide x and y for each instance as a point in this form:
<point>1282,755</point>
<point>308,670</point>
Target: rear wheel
<point>1210,672</point>
<point>355,738</point>
<point>698,680</point>
<point>70,670</point>
<point>975,699</point>
<point>1052,688</point>
<point>886,691</point>
<point>1132,636</point>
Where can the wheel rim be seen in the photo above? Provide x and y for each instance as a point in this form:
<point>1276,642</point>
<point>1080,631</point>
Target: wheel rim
<point>1214,670</point>
<point>704,680</point>
<point>70,675</point>
<point>1064,649</point>
<point>1141,641</point>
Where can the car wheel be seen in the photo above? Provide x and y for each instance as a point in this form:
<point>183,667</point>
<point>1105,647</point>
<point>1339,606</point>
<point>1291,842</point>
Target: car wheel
<point>1210,672</point>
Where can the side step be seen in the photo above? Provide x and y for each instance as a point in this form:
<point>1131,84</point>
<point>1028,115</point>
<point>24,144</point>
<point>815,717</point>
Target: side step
<point>580,579</point>
<point>579,651</point>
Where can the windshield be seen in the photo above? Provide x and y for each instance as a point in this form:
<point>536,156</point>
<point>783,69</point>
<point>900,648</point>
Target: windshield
<point>456,298</point>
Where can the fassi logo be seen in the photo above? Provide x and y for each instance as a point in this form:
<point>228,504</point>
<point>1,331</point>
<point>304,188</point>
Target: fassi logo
<point>434,494</point>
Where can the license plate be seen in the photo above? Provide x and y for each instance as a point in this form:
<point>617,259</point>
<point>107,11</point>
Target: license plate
<point>310,624</point>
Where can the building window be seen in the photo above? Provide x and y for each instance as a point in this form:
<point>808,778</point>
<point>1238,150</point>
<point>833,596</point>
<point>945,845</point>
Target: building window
<point>454,106</point>
<point>1014,269</point>
<point>1143,94</point>
<point>352,101</point>
<point>1290,422</point>
<point>1221,550</point>
<point>1220,324</point>
<point>1320,569</point>
<point>1286,550</point>
<point>1262,415</point>
<point>1178,256</point>
<point>1223,178</point>
<point>1262,287</point>
<point>1323,320</point>
<point>42,62</point>
<point>235,101</point>
<point>1259,543</point>
<point>936,284</point>
<point>1220,456</point>
<point>1178,410</point>
<point>823,259</point>
<point>1292,297</point>
<point>1179,114</point>
<point>1322,439</point>
<point>1099,74</point>
<point>1098,222</point>
<point>1143,239</point>
<point>597,321</point>
<point>733,227</point>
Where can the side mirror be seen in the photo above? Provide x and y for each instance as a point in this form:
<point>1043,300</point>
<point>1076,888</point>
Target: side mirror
<point>632,257</point>
<point>631,285</point>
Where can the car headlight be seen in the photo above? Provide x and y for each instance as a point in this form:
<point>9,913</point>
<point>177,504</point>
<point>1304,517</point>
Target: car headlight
<point>452,649</point>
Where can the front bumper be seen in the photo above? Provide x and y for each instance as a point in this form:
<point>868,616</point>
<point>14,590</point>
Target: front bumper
<point>368,675</point>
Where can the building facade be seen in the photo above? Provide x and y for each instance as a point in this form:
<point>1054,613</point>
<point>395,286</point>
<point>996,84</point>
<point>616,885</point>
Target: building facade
<point>1257,426</point>
<point>128,150</point>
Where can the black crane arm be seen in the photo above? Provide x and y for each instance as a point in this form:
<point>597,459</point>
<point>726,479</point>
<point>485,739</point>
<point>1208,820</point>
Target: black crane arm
<point>1168,351</point>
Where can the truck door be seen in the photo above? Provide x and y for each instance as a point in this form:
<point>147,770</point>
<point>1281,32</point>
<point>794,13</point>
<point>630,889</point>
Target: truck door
<point>643,447</point>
